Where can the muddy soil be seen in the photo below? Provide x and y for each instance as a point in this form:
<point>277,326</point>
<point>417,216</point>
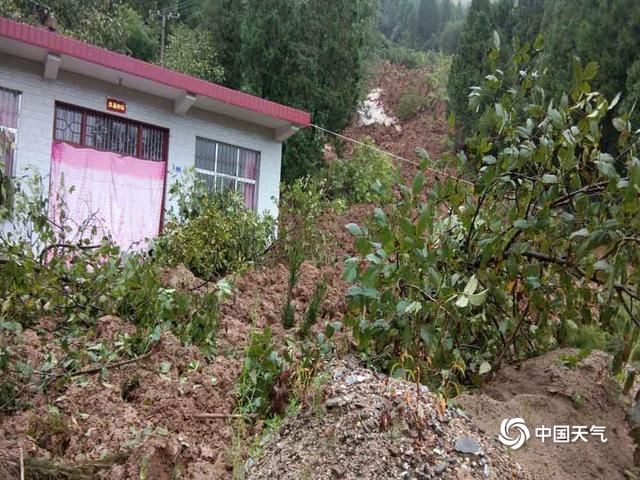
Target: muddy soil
<point>543,391</point>
<point>428,129</point>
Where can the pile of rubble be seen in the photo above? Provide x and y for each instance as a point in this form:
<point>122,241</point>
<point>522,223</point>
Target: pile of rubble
<point>371,426</point>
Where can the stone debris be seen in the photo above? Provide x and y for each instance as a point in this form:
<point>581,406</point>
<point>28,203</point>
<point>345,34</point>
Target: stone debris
<point>376,427</point>
<point>371,111</point>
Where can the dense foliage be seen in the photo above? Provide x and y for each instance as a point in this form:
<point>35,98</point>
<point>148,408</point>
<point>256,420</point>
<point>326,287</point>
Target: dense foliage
<point>212,234</point>
<point>119,26</point>
<point>422,24</point>
<point>604,31</point>
<point>49,272</point>
<point>364,176</point>
<point>539,252</point>
<point>192,51</point>
<point>315,60</point>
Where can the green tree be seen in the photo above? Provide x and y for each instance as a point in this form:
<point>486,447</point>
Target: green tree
<point>467,66</point>
<point>538,251</point>
<point>307,54</point>
<point>192,52</point>
<point>428,21</point>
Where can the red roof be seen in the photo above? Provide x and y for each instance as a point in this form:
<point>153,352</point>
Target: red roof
<point>59,44</point>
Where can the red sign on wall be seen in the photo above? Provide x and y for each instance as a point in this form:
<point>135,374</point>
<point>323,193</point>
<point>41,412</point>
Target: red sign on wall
<point>118,106</point>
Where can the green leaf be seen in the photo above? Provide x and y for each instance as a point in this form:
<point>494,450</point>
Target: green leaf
<point>354,230</point>
<point>478,299</point>
<point>428,334</point>
<point>620,125</point>
<point>472,285</point>
<point>496,40</point>
<point>521,224</point>
<point>485,367</point>
<point>350,272</point>
<point>615,101</point>
<point>607,169</point>
<point>380,217</point>
<point>582,233</point>
<point>549,178</point>
<point>363,292</point>
<point>462,301</point>
<point>590,71</point>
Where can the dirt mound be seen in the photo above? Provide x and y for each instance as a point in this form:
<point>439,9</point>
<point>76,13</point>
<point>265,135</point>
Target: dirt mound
<point>148,411</point>
<point>260,296</point>
<point>371,426</point>
<point>554,390</point>
<point>428,129</point>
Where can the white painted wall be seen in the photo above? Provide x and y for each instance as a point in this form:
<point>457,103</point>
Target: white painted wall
<point>35,130</point>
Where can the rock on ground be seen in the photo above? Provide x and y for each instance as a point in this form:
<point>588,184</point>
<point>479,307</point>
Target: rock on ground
<point>371,426</point>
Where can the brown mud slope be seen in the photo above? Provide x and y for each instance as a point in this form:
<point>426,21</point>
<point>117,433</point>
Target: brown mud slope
<point>148,411</point>
<point>543,391</point>
<point>158,411</point>
<point>428,129</point>
<point>369,426</point>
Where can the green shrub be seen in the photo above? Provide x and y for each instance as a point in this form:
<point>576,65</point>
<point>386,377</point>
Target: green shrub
<point>46,272</point>
<point>313,310</point>
<point>542,244</point>
<point>438,75</point>
<point>214,234</point>
<point>302,203</point>
<point>411,102</point>
<point>365,177</point>
<point>261,369</point>
<point>400,55</point>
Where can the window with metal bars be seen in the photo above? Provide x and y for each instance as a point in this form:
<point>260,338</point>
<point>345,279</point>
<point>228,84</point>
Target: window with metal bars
<point>227,167</point>
<point>9,112</point>
<point>101,131</point>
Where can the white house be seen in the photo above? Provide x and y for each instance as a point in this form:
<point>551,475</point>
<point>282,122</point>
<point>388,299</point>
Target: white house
<point>116,128</point>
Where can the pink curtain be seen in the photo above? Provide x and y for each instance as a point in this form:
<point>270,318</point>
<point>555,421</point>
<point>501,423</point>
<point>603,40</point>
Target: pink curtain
<point>249,169</point>
<point>123,194</point>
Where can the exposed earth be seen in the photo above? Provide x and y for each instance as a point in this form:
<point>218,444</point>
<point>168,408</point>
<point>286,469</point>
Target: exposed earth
<point>555,390</point>
<point>171,414</point>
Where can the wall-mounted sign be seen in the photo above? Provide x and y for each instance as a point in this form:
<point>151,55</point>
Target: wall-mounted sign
<point>118,106</point>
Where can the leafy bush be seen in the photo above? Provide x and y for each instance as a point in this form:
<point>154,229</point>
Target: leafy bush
<point>365,177</point>
<point>543,244</point>
<point>438,75</point>
<point>410,103</point>
<point>401,55</point>
<point>48,272</point>
<point>313,310</point>
<point>261,370</point>
<point>213,234</point>
<point>301,205</point>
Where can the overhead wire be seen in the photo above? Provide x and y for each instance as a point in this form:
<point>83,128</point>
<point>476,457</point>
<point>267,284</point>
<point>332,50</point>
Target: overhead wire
<point>393,155</point>
<point>178,7</point>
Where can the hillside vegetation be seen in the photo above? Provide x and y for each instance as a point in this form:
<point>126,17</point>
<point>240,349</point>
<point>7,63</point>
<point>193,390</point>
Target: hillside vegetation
<point>491,260</point>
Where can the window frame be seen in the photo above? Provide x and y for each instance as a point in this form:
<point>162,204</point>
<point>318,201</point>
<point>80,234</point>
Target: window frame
<point>9,169</point>
<point>236,178</point>
<point>86,112</point>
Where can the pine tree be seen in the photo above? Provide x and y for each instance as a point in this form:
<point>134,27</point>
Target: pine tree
<point>467,66</point>
<point>427,23</point>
